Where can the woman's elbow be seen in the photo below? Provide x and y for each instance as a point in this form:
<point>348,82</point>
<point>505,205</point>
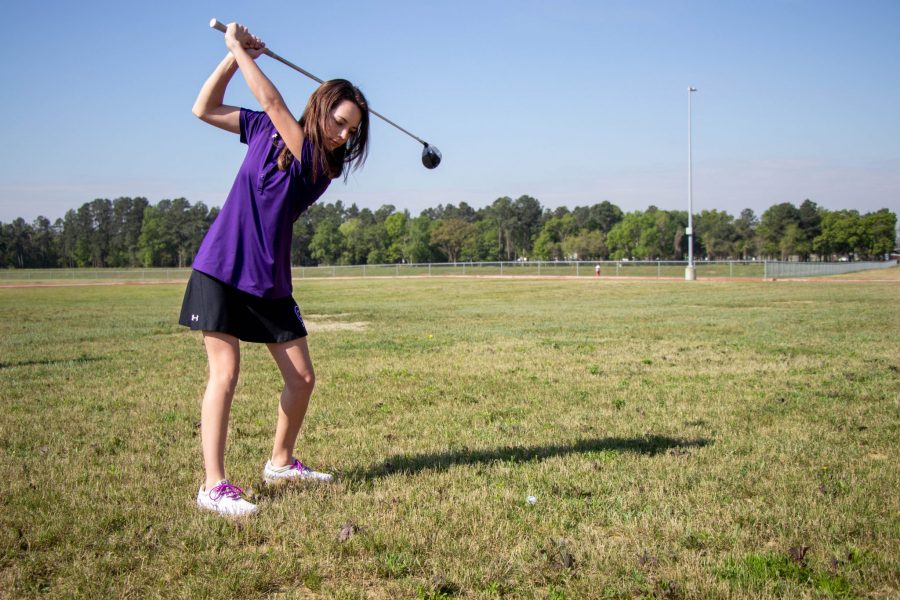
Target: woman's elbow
<point>271,103</point>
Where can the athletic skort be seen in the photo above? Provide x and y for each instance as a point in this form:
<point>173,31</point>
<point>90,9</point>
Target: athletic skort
<point>210,305</point>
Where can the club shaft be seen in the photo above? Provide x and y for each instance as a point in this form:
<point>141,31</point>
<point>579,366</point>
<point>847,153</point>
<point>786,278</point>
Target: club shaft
<point>215,24</point>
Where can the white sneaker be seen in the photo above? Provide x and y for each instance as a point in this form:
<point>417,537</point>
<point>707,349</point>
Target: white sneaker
<point>296,471</point>
<point>225,499</point>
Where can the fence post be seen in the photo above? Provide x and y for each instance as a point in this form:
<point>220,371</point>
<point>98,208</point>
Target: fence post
<point>658,270</point>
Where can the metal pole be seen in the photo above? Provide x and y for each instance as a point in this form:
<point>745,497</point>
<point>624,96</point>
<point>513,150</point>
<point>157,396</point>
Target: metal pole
<point>690,274</point>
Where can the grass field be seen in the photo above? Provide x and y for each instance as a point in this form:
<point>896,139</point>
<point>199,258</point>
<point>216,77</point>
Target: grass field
<point>682,440</point>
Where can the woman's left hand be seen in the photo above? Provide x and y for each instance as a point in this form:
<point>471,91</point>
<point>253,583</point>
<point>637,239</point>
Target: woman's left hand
<point>238,36</point>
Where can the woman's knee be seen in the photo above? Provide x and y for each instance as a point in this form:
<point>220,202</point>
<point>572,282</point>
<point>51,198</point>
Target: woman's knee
<point>224,375</point>
<point>300,381</point>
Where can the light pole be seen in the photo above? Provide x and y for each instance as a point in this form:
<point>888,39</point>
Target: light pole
<point>690,274</point>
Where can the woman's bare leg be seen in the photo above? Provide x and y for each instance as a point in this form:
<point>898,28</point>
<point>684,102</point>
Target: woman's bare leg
<point>296,368</point>
<point>224,355</point>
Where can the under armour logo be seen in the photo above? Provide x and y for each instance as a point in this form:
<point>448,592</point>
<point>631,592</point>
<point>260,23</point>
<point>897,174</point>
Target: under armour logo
<point>195,317</point>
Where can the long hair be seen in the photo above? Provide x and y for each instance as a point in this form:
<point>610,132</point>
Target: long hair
<point>344,159</point>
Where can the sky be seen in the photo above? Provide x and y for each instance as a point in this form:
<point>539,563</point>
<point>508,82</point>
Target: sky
<point>570,102</point>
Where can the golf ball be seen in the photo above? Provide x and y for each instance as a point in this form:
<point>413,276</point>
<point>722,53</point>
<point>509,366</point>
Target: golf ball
<point>531,500</point>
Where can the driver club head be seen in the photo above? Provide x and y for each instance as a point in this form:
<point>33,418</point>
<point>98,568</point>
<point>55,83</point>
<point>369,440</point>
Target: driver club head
<point>431,156</point>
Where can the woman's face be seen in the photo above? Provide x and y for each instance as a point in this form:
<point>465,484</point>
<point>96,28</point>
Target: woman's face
<point>341,124</point>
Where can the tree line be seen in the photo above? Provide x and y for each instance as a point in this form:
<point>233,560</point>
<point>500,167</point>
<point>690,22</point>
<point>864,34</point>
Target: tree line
<point>131,232</point>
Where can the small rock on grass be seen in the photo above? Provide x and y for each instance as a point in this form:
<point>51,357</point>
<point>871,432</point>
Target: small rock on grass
<point>798,553</point>
<point>347,531</point>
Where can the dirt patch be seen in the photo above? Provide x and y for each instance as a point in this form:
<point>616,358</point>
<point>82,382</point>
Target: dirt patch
<point>331,323</point>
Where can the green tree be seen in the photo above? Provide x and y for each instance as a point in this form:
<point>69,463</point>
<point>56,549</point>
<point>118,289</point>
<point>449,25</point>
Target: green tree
<point>717,233</point>
<point>171,232</point>
<point>154,245</point>
<point>419,249</point>
<point>599,217</point>
<point>486,247</point>
<point>44,243</point>
<point>625,236</point>
<point>745,232</point>
<point>669,229</point>
<point>773,225</point>
<point>585,245</point>
<point>17,243</point>
<point>101,231</point>
<point>527,211</point>
<point>397,231</point>
<point>327,243</point>
<point>328,246</point>
<point>791,241</point>
<point>651,235</point>
<point>548,244</point>
<point>355,251</point>
<point>503,214</point>
<point>125,231</point>
<point>840,234</point>
<point>68,240</point>
<point>452,236</point>
<point>84,236</point>
<point>880,228</point>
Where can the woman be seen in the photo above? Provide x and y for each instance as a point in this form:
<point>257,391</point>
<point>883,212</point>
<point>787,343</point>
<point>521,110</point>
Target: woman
<point>240,288</point>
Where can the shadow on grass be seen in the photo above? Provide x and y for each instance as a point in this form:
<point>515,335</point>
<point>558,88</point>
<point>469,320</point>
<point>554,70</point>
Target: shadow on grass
<point>437,461</point>
<point>50,361</point>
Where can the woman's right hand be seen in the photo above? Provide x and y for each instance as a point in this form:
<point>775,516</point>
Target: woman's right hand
<point>237,36</point>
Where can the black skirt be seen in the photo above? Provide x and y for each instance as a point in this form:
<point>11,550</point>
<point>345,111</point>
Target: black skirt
<point>210,305</point>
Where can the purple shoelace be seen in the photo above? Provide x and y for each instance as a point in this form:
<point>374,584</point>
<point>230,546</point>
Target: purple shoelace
<point>226,488</point>
<point>299,466</point>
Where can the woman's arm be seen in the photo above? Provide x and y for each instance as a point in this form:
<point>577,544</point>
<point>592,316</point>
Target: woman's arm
<point>243,47</point>
<point>209,104</point>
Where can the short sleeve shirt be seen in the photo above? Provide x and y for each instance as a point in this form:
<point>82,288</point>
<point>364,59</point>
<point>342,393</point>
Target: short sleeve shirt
<point>248,246</point>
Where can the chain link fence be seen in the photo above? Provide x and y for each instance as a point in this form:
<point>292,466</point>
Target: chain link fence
<point>784,270</point>
<point>653,269</point>
<point>581,269</point>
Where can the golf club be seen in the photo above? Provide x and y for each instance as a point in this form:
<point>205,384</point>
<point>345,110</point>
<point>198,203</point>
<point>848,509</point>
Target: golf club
<point>431,156</point>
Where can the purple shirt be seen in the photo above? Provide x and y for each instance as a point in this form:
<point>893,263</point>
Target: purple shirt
<point>248,246</point>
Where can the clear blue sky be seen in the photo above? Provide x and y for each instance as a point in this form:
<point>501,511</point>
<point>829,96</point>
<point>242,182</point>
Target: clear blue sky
<point>572,102</point>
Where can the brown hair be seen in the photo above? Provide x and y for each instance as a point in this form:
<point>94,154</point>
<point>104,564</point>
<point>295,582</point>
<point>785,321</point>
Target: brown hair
<point>346,158</point>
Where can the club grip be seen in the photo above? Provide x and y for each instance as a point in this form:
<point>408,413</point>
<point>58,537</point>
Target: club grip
<point>215,24</point>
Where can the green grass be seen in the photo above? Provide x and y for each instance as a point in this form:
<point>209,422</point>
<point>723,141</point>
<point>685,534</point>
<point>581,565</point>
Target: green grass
<point>683,440</point>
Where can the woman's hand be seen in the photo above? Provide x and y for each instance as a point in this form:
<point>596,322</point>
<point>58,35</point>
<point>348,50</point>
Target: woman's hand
<point>237,36</point>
